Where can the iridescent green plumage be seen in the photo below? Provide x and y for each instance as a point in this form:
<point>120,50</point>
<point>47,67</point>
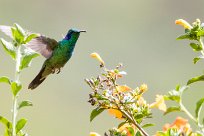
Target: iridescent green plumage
<point>61,52</point>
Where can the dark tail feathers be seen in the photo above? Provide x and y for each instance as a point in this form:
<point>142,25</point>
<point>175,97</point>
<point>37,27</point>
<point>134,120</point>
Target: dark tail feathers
<point>37,80</point>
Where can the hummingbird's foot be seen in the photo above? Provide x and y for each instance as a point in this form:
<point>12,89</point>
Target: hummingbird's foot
<point>59,70</point>
<point>53,71</point>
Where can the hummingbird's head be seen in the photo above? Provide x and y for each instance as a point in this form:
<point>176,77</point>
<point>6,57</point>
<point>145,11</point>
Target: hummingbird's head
<point>73,33</point>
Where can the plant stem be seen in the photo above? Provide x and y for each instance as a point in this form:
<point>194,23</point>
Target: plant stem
<point>201,43</point>
<point>135,123</point>
<point>15,98</point>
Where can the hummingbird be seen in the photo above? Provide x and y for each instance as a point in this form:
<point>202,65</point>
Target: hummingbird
<point>57,53</point>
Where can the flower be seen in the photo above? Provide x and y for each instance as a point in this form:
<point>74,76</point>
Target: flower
<point>123,88</point>
<point>159,103</point>
<point>183,23</point>
<point>94,134</point>
<point>124,129</point>
<point>97,56</point>
<point>143,88</point>
<point>115,113</point>
<point>181,125</point>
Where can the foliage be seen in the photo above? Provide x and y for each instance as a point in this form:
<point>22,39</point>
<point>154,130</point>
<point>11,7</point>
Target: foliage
<point>22,56</point>
<point>129,105</point>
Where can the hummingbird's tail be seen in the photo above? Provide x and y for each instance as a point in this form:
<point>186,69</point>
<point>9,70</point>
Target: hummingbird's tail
<point>37,80</point>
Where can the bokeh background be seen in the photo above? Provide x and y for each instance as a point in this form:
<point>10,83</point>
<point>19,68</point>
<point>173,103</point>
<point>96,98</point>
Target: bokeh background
<point>140,34</point>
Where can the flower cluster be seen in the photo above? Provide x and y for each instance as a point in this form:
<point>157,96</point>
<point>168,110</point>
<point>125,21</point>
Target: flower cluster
<point>180,127</point>
<point>120,101</point>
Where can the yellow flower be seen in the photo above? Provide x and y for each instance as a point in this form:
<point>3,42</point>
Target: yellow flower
<point>97,56</point>
<point>159,103</point>
<point>115,113</point>
<point>143,88</point>
<point>123,88</point>
<point>183,23</point>
<point>94,134</point>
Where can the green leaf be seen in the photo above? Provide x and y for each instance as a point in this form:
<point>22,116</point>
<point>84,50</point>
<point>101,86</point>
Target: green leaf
<point>172,109</point>
<point>138,133</point>
<point>15,87</point>
<point>147,125</point>
<point>19,29</point>
<point>173,95</point>
<point>195,60</point>
<point>181,37</point>
<point>200,33</point>
<point>30,37</point>
<point>5,80</point>
<point>18,34</point>
<point>121,124</point>
<point>131,130</point>
<point>9,48</point>
<point>96,112</point>
<point>195,79</point>
<point>8,132</point>
<point>24,104</point>
<point>27,58</point>
<point>20,124</point>
<point>198,107</point>
<point>4,121</point>
<point>196,47</point>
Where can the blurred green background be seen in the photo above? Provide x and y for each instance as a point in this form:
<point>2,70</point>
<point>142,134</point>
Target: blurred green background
<point>140,34</point>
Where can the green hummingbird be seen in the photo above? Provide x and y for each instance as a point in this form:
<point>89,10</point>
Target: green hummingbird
<point>57,53</point>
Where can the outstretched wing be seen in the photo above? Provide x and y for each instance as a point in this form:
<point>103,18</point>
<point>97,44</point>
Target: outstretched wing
<point>40,44</point>
<point>43,45</point>
<point>6,30</point>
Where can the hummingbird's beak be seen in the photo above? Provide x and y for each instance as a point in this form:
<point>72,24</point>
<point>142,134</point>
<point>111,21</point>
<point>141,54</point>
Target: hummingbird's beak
<point>82,31</point>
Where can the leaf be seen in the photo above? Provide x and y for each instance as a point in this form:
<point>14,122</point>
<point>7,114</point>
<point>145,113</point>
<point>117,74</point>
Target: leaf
<point>200,33</point>
<point>18,34</point>
<point>8,132</point>
<point>19,29</point>
<point>27,58</point>
<point>20,124</point>
<point>4,79</point>
<point>172,109</point>
<point>4,121</point>
<point>181,37</point>
<point>195,60</point>
<point>15,87</point>
<point>138,133</point>
<point>195,79</point>
<point>196,47</point>
<point>9,48</point>
<point>24,104</point>
<point>147,125</point>
<point>96,112</point>
<point>30,37</point>
<point>131,131</point>
<point>121,124</point>
<point>198,107</point>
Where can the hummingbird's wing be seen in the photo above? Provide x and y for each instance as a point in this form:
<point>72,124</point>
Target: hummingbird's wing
<point>6,30</point>
<point>40,44</point>
<point>43,45</point>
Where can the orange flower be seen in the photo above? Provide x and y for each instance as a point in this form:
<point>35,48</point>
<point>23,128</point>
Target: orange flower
<point>179,124</point>
<point>159,103</point>
<point>124,128</point>
<point>94,134</point>
<point>115,113</point>
<point>183,23</point>
<point>123,88</point>
<point>97,56</point>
